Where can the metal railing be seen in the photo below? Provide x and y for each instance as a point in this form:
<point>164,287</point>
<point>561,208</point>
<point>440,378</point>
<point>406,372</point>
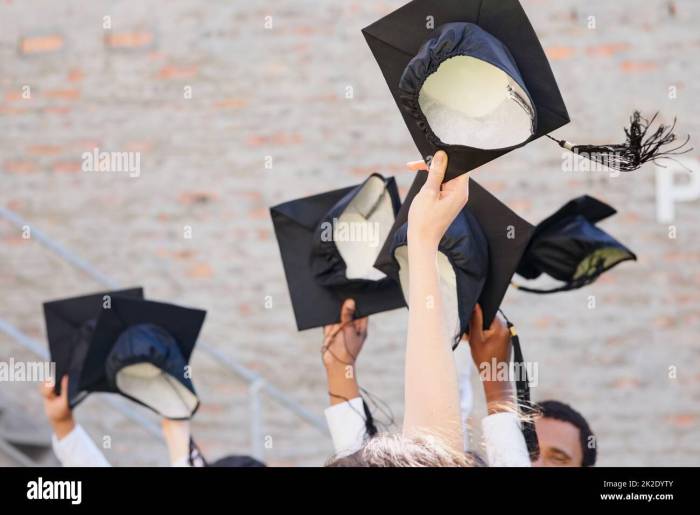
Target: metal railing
<point>257,384</point>
<point>117,403</point>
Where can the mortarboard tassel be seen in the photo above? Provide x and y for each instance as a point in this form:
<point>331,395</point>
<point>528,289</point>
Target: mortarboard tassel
<point>370,427</point>
<point>369,420</point>
<point>380,406</point>
<point>522,388</point>
<point>636,150</point>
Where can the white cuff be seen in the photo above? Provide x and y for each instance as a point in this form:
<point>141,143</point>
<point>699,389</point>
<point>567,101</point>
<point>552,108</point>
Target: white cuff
<point>346,422</point>
<point>504,441</point>
<point>77,449</point>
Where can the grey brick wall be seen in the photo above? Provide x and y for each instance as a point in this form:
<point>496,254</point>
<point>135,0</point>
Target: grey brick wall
<point>280,93</point>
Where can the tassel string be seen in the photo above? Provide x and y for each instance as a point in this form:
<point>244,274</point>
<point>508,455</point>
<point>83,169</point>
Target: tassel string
<point>590,277</point>
<point>326,347</point>
<point>636,150</point>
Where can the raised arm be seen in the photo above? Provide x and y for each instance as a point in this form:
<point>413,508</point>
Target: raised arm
<point>71,444</point>
<point>176,434</point>
<point>342,344</point>
<point>431,391</point>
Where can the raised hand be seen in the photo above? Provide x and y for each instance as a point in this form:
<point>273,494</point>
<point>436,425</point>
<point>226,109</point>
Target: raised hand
<point>437,204</point>
<point>57,409</point>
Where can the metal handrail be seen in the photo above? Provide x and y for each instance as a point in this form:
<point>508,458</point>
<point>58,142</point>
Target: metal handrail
<point>15,455</point>
<point>256,381</point>
<point>120,405</point>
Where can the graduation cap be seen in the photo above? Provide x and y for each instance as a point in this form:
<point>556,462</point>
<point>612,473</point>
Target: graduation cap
<point>329,242</point>
<point>471,78</point>
<point>477,257</point>
<point>569,247</point>
<point>463,265</point>
<point>141,350</point>
<point>70,324</point>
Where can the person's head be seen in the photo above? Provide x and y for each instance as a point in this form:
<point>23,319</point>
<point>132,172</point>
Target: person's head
<point>395,450</point>
<point>565,438</point>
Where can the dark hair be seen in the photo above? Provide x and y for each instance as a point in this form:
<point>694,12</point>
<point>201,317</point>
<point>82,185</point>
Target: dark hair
<point>196,459</point>
<point>237,461</point>
<point>559,411</point>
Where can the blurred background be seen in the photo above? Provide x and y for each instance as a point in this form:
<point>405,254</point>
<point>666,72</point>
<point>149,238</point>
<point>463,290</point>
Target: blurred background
<point>235,106</point>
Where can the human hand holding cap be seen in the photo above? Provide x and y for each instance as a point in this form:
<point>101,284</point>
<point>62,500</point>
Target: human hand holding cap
<point>56,407</point>
<point>437,204</point>
<point>343,342</point>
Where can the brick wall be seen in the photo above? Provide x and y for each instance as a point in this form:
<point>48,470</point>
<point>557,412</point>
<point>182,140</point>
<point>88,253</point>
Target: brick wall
<point>210,98</point>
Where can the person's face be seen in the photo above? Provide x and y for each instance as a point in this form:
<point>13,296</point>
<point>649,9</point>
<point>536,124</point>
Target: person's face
<point>560,444</point>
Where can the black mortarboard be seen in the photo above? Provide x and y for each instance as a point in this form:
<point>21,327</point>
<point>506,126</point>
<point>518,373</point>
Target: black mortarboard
<point>470,77</point>
<point>569,247</point>
<point>329,243</point>
<point>70,324</point>
<point>484,246</point>
<point>141,349</point>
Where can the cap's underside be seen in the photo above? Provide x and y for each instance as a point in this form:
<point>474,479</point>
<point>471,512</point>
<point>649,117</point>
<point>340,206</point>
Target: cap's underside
<point>361,230</point>
<point>472,103</point>
<point>448,287</point>
<point>156,389</point>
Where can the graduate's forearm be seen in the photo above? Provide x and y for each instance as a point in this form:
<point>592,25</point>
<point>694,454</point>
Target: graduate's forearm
<point>499,396</point>
<point>431,391</point>
<point>177,437</point>
<point>342,383</point>
<point>62,428</point>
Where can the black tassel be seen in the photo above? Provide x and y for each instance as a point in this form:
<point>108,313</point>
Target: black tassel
<point>379,406</point>
<point>370,427</point>
<point>639,148</point>
<point>522,388</point>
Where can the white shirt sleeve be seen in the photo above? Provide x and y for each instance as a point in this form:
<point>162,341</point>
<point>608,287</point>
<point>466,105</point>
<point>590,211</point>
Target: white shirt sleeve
<point>346,422</point>
<point>77,449</point>
<point>504,441</point>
